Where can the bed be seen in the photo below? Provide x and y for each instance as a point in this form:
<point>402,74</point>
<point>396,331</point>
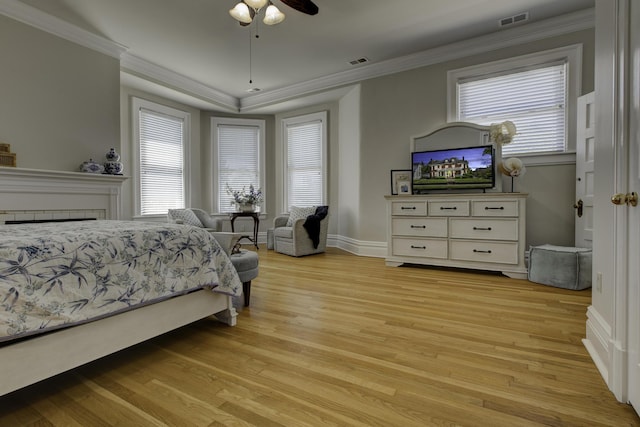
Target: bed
<point>73,292</point>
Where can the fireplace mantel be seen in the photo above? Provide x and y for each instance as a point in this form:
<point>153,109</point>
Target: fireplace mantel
<point>45,190</point>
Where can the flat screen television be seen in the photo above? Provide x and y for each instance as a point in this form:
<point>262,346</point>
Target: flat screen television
<point>463,168</point>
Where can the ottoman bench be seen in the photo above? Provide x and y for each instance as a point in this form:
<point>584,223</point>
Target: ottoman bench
<point>560,266</point>
<point>246,264</point>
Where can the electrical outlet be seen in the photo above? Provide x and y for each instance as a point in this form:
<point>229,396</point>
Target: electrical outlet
<point>599,281</point>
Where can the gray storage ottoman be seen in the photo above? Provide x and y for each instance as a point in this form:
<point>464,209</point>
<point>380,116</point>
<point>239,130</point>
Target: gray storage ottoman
<point>560,266</point>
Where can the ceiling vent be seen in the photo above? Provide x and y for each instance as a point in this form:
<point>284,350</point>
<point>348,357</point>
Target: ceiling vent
<point>359,61</point>
<point>515,19</point>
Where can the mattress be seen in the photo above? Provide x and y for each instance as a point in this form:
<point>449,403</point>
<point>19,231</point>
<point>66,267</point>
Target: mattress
<point>55,275</point>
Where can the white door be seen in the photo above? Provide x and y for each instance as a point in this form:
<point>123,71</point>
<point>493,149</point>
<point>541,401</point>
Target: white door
<point>633,260</point>
<point>585,150</point>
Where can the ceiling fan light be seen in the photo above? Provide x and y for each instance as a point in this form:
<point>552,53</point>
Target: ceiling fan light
<point>241,13</point>
<point>273,16</point>
<point>256,4</point>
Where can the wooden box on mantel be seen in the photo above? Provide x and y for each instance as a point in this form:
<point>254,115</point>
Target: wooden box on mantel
<point>7,158</point>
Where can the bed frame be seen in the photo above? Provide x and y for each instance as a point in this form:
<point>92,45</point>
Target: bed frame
<point>53,194</point>
<point>29,361</point>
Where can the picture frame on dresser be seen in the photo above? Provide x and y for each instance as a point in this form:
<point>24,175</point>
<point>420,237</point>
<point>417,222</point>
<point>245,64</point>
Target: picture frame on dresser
<point>400,176</point>
<point>404,187</point>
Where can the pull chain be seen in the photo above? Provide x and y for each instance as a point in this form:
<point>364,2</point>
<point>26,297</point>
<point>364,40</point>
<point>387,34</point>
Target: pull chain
<point>250,58</point>
<point>251,51</point>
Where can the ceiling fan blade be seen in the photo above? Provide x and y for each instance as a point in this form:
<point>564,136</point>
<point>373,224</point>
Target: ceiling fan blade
<point>304,6</point>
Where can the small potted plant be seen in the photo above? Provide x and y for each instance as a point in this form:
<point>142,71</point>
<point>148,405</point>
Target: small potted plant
<point>246,201</point>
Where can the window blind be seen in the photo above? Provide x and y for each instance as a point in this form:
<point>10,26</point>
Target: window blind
<point>304,164</point>
<point>238,161</point>
<point>533,99</point>
<point>161,162</point>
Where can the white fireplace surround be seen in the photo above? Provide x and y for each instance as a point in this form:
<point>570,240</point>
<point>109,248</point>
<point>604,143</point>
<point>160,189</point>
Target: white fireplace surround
<point>31,194</point>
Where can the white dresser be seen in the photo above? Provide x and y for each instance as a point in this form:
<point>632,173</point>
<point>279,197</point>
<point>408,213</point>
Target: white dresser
<point>483,231</point>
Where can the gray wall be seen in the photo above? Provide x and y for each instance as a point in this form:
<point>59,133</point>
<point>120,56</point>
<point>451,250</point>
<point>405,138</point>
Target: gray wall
<point>410,103</point>
<point>59,102</point>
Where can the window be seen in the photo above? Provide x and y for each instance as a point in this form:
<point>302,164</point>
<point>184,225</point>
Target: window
<point>161,135</point>
<point>238,158</point>
<point>537,92</point>
<point>306,160</point>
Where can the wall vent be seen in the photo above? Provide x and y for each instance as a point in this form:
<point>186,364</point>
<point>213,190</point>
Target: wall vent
<point>515,19</point>
<point>359,61</point>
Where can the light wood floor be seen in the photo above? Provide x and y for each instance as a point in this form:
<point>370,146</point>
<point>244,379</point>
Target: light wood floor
<point>341,340</point>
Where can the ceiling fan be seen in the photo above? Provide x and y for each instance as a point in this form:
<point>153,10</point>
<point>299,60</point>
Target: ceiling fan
<point>304,6</point>
<point>246,10</point>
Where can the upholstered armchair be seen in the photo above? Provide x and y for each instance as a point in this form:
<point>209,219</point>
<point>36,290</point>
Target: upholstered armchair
<point>199,218</point>
<point>245,262</point>
<point>290,236</point>
<point>195,217</point>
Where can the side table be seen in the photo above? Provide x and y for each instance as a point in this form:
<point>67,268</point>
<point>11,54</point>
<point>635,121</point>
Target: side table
<point>256,224</point>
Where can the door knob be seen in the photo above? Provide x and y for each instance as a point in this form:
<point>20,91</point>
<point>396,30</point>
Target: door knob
<point>619,199</point>
<point>630,199</point>
<point>578,206</point>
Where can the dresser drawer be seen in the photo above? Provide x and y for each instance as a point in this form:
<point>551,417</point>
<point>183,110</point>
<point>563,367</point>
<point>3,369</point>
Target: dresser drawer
<point>484,228</point>
<point>494,208</point>
<point>423,248</point>
<point>417,208</point>
<point>426,227</point>
<point>482,251</point>
<point>449,208</point>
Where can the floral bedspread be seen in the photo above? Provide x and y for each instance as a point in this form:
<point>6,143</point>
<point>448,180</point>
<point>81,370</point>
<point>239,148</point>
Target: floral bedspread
<point>59,274</point>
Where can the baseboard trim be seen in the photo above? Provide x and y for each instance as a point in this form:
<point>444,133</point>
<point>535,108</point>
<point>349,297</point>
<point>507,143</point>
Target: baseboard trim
<point>358,247</point>
<point>597,343</point>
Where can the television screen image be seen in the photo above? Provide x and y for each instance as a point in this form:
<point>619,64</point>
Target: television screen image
<point>453,168</point>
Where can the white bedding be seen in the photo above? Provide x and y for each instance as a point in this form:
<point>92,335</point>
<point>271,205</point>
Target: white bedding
<point>54,275</point>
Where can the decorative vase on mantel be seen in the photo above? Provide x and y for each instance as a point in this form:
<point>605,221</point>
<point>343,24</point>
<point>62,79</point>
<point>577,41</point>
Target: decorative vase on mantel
<point>113,166</point>
<point>246,207</point>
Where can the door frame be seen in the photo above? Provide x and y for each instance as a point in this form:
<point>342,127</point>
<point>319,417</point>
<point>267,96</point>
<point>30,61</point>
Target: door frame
<point>633,184</point>
<point>608,324</point>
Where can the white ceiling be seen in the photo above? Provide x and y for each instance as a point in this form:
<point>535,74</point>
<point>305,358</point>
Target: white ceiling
<point>198,42</point>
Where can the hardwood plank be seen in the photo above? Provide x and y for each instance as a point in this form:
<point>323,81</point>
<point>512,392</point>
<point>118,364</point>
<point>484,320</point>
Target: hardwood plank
<point>339,340</point>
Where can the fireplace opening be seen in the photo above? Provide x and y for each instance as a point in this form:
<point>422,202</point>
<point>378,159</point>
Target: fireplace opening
<point>40,221</point>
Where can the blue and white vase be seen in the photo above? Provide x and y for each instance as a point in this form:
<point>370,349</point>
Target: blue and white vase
<point>91,167</point>
<point>113,166</point>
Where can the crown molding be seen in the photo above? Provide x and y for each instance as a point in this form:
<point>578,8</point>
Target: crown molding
<point>140,67</point>
<point>556,26</point>
<point>43,21</point>
<point>551,27</point>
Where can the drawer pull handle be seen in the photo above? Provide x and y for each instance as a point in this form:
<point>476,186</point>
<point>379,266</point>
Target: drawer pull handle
<point>418,247</point>
<point>406,208</point>
<point>478,251</point>
<point>482,228</point>
<point>501,208</point>
<point>443,208</point>
<point>418,226</point>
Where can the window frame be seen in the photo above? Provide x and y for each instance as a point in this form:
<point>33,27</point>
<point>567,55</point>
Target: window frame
<point>320,116</point>
<point>260,124</point>
<point>572,54</point>
<point>136,105</point>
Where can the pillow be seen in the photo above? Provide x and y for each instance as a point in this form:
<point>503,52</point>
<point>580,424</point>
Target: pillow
<point>297,213</point>
<point>186,216</point>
